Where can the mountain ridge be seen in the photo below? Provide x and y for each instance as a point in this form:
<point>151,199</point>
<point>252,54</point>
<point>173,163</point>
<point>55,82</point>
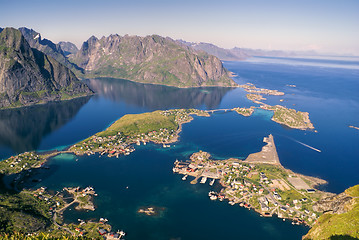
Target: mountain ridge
<point>151,59</point>
<point>48,47</point>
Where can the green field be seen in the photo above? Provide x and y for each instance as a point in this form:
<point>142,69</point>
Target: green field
<point>141,123</point>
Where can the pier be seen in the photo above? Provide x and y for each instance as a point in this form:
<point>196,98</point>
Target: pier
<point>218,110</point>
<point>268,154</point>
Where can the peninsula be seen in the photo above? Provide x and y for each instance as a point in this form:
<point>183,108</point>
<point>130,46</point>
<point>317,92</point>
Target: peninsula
<point>260,183</point>
<point>161,127</point>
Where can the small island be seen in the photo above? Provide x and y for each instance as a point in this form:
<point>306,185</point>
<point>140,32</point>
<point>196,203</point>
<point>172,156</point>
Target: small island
<point>151,211</point>
<point>289,117</point>
<point>357,128</point>
<point>250,88</point>
<point>256,98</point>
<point>244,111</point>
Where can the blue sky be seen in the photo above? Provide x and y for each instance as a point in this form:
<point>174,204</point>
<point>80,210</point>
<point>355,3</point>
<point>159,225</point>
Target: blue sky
<point>322,25</point>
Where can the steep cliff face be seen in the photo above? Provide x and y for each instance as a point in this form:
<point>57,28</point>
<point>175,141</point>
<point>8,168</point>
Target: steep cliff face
<point>48,47</point>
<point>27,76</point>
<point>151,59</point>
<point>340,219</point>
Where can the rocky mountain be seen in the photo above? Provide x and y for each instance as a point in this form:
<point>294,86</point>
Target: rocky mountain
<point>340,219</point>
<point>68,48</point>
<point>48,47</point>
<point>151,59</point>
<point>28,76</point>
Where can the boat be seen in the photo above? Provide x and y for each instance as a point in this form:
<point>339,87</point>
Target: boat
<point>212,182</point>
<point>184,177</point>
<point>231,203</point>
<point>204,179</point>
<point>213,197</point>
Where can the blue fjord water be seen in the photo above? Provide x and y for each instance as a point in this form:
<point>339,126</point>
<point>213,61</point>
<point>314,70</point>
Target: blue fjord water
<point>326,89</point>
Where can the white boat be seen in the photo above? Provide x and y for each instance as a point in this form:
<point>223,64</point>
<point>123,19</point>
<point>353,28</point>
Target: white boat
<point>204,179</point>
<point>213,197</point>
<point>184,177</point>
<point>212,182</point>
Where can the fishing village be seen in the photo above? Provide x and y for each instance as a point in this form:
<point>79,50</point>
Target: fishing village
<point>260,183</point>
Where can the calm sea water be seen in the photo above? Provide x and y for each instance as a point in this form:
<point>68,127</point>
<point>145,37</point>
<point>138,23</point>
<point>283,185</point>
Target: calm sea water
<point>327,89</point>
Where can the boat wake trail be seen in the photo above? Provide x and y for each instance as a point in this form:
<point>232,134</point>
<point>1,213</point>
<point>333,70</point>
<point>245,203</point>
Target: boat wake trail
<point>306,145</point>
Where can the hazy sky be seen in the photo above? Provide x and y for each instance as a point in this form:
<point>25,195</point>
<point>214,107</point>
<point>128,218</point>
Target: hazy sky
<point>322,25</point>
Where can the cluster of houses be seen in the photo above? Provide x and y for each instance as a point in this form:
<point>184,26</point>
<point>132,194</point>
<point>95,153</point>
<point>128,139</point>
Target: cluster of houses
<point>21,162</point>
<point>101,227</point>
<point>244,184</point>
<point>111,235</point>
<point>111,145</point>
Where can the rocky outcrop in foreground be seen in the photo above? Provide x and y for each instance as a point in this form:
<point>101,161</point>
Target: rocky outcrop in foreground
<point>28,76</point>
<point>340,219</point>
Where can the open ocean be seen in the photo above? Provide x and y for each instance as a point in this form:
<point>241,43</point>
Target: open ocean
<point>327,88</point>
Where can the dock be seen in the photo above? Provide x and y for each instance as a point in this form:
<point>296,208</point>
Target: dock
<point>203,180</point>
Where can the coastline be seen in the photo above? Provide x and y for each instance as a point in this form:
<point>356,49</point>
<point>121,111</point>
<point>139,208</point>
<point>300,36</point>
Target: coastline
<point>235,85</point>
<point>46,102</point>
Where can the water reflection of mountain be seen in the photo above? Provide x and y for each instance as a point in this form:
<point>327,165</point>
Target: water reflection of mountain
<point>23,129</point>
<point>157,96</point>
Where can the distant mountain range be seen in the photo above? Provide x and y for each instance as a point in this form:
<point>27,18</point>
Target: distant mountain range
<point>28,76</point>
<point>239,54</point>
<point>151,59</point>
